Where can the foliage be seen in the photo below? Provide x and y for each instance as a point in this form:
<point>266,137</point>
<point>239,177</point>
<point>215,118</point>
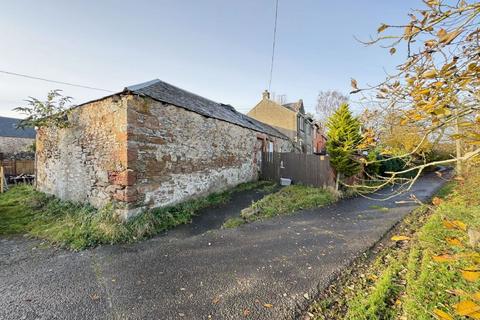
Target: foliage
<point>436,88</point>
<point>75,226</point>
<point>432,272</point>
<point>52,112</point>
<point>404,139</point>
<point>328,102</point>
<point>290,199</point>
<point>343,138</point>
<point>373,166</point>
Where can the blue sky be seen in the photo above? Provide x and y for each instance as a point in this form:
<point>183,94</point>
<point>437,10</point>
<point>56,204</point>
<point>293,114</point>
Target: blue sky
<point>216,48</point>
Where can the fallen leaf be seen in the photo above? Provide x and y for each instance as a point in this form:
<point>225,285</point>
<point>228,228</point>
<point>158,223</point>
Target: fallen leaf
<point>471,274</point>
<point>442,315</point>
<point>443,258</point>
<point>246,312</point>
<point>268,305</point>
<point>400,238</point>
<point>476,296</point>
<point>466,308</point>
<point>455,224</point>
<point>306,296</point>
<point>436,201</point>
<point>454,242</point>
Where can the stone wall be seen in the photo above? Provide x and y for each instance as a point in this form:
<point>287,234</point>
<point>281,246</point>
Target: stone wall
<point>178,154</point>
<point>141,154</point>
<point>87,161</point>
<point>13,145</point>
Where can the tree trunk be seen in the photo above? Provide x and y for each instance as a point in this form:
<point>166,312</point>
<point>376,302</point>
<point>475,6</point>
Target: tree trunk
<point>337,182</point>
<point>458,146</point>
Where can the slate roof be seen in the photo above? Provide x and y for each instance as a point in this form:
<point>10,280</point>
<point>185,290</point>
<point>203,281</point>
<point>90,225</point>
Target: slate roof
<point>164,92</point>
<point>8,128</point>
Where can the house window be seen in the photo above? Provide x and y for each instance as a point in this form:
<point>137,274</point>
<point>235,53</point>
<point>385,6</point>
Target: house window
<point>300,123</point>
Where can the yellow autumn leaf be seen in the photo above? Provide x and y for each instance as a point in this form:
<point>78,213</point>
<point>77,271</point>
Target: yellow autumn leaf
<point>455,224</point>
<point>442,315</point>
<point>441,33</point>
<point>430,74</point>
<point>400,238</point>
<point>454,242</point>
<point>443,258</point>
<point>476,296</point>
<point>436,201</point>
<point>471,274</point>
<point>449,37</point>
<point>466,308</point>
<point>430,43</point>
<point>382,28</point>
<point>268,305</point>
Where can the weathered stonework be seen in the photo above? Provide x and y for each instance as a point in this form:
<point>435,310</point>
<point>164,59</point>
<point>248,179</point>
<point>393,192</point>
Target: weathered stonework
<point>14,145</point>
<point>141,153</point>
<point>77,163</point>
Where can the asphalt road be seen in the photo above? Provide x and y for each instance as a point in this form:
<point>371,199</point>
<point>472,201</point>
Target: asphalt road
<point>263,270</point>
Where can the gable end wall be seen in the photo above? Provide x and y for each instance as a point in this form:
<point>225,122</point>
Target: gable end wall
<point>82,163</point>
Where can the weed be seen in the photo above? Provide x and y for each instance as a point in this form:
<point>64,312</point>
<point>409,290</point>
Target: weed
<point>233,222</point>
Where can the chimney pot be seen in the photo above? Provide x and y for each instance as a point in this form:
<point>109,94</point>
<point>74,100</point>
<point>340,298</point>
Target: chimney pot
<point>266,95</point>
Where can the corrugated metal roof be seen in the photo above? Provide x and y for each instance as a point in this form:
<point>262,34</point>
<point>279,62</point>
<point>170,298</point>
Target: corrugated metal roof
<point>164,92</point>
<point>8,128</point>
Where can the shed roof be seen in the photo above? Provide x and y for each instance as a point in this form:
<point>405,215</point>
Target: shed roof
<point>8,128</point>
<point>164,92</point>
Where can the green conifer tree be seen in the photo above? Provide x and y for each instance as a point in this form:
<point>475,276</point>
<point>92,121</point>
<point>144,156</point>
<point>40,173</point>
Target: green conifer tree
<point>343,139</point>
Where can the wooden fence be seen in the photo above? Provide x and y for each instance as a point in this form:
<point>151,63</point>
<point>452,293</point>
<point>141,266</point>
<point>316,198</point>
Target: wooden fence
<point>307,169</point>
<point>12,167</point>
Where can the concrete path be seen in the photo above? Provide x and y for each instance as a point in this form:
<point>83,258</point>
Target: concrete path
<point>263,270</point>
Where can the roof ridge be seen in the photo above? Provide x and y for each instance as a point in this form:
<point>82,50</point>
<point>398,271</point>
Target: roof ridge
<point>165,92</point>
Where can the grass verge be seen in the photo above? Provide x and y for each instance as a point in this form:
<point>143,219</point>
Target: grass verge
<point>285,201</point>
<point>433,275</point>
<point>26,211</point>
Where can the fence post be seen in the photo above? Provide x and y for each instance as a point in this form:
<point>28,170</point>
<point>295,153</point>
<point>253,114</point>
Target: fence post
<point>2,179</point>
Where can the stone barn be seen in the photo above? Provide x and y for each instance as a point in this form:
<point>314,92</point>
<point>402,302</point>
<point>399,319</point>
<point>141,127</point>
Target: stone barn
<point>151,145</point>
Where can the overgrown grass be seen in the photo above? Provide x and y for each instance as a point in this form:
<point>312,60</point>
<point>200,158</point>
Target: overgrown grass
<point>233,222</point>
<point>410,280</point>
<point>290,199</point>
<point>26,211</point>
<point>285,201</point>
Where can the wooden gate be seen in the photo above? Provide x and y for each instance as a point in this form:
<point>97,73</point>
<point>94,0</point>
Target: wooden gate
<point>301,168</point>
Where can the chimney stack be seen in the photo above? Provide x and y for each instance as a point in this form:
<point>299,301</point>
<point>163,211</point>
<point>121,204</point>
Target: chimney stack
<point>265,95</point>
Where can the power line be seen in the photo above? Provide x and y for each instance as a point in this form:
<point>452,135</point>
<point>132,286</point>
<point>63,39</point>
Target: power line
<point>53,81</point>
<point>273,46</point>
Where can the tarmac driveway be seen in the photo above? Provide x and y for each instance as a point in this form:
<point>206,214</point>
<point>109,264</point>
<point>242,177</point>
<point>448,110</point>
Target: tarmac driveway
<point>263,270</point>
